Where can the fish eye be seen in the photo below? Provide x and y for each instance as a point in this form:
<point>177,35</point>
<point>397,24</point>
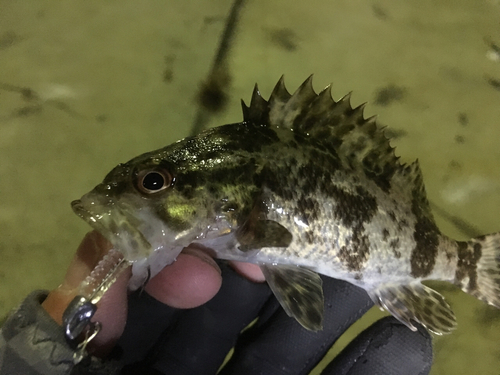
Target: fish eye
<point>153,181</point>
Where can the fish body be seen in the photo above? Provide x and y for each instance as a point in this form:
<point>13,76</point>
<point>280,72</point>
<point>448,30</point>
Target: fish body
<point>303,186</point>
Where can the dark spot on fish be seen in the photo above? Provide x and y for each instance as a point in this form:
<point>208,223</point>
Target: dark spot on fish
<point>385,234</point>
<point>282,284</point>
<point>468,255</point>
<point>449,255</point>
<point>284,38</point>
<point>394,245</point>
<point>357,250</point>
<point>307,208</point>
<point>358,276</point>
<point>293,144</point>
<point>315,175</point>
<point>352,208</point>
<point>309,234</point>
<point>270,178</point>
<point>314,316</point>
<point>463,119</point>
<point>446,314</point>
<point>344,130</point>
<point>428,302</point>
<point>404,288</point>
<point>459,139</point>
<point>381,177</point>
<point>426,234</point>
<point>423,256</point>
<point>291,162</point>
<point>328,157</point>
<point>481,237</point>
<point>477,250</point>
<point>392,215</point>
<point>427,311</point>
<point>443,321</point>
<point>389,94</point>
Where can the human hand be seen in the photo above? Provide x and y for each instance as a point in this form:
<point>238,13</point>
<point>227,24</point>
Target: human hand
<point>160,339</point>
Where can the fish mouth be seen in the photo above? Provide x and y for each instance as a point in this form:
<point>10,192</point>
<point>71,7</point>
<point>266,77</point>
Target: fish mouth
<point>134,230</point>
<point>117,224</point>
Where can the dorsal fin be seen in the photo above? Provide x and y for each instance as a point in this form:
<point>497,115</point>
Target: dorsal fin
<point>338,127</point>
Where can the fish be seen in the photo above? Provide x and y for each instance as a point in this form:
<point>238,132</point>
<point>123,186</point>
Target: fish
<point>303,186</point>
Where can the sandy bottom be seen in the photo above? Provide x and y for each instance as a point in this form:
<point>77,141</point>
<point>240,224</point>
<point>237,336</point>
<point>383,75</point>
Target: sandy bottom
<point>85,85</point>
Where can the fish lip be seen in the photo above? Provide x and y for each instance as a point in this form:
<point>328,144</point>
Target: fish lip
<point>90,218</point>
<point>82,212</point>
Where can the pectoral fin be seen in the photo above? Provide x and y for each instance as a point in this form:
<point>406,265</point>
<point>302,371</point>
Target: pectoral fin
<point>299,291</point>
<point>256,234</point>
<point>416,302</point>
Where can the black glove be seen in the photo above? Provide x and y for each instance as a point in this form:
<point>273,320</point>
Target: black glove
<point>162,340</point>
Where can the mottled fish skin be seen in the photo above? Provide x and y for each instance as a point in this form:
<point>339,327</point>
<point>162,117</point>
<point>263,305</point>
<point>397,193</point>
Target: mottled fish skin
<point>303,185</point>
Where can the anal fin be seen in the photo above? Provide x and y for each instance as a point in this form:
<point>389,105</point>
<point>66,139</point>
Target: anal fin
<point>299,291</point>
<point>416,302</point>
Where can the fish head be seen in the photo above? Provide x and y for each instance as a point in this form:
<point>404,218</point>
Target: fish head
<point>141,208</point>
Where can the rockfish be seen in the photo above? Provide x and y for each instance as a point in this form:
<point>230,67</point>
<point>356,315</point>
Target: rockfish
<point>303,186</point>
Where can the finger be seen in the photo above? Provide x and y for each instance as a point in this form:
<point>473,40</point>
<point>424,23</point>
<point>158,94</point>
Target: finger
<point>251,271</point>
<point>200,339</point>
<point>279,345</point>
<point>192,280</point>
<point>388,347</point>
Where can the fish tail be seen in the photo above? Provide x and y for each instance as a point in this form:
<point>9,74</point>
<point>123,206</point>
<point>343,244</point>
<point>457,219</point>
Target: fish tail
<point>478,268</point>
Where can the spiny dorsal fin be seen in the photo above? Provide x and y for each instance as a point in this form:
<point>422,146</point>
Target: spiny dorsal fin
<point>258,110</point>
<point>341,129</point>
